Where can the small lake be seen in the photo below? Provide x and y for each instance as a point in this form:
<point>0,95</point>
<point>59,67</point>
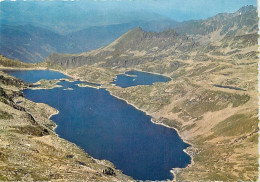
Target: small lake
<point>109,128</point>
<point>134,78</point>
<point>229,87</point>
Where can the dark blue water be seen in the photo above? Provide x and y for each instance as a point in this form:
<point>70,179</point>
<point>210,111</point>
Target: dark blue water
<point>229,87</point>
<point>109,128</point>
<point>32,76</point>
<point>138,78</point>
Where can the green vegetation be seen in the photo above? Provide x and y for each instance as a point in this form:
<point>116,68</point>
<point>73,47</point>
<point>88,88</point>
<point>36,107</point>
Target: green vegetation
<point>31,130</point>
<point>3,178</point>
<point>220,163</point>
<point>47,84</point>
<point>253,139</point>
<point>189,127</point>
<point>236,125</point>
<point>176,110</point>
<point>50,65</point>
<point>93,74</point>
<point>5,115</point>
<point>213,101</point>
<point>163,68</point>
<point>88,85</point>
<point>5,62</point>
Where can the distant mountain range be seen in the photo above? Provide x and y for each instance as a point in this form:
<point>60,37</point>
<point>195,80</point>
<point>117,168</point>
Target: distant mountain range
<point>138,46</point>
<point>31,43</point>
<point>243,21</point>
<point>66,17</point>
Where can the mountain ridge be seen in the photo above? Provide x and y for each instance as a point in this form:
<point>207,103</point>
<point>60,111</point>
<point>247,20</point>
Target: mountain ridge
<point>30,43</point>
<point>35,43</point>
<point>214,29</point>
<point>245,16</point>
<point>95,37</point>
<point>134,47</point>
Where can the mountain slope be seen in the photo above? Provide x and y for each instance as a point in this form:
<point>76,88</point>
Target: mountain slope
<point>30,150</point>
<point>6,62</point>
<point>212,102</point>
<point>133,48</point>
<point>243,21</point>
<point>31,44</point>
<point>98,36</point>
<point>202,32</point>
<point>211,99</point>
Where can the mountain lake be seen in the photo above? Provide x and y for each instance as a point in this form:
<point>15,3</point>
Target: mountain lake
<point>109,128</point>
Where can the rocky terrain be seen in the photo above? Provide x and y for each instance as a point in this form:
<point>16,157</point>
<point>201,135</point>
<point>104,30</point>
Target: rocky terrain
<point>31,151</point>
<point>211,99</point>
<point>241,22</point>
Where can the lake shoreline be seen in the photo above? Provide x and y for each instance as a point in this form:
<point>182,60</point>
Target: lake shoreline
<point>173,170</point>
<point>53,114</point>
<point>140,70</point>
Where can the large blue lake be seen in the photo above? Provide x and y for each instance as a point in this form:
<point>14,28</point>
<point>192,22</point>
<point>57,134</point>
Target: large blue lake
<point>109,128</point>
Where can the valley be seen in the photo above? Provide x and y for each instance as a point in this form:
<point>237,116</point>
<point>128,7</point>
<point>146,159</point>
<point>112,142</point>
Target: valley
<point>211,99</point>
<point>190,102</point>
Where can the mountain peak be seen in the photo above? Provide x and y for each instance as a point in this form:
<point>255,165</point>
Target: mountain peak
<point>246,9</point>
<point>243,21</point>
<point>169,33</point>
<point>139,34</point>
<point>137,29</point>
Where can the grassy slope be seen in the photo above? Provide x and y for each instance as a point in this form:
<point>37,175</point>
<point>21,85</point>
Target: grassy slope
<point>191,103</point>
<point>198,109</point>
<point>6,62</point>
<point>221,123</point>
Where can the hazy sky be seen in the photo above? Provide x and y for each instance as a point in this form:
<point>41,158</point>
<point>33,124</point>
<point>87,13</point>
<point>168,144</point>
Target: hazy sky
<point>196,9</point>
<point>175,9</point>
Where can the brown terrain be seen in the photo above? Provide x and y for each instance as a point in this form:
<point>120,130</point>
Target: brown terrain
<point>211,100</point>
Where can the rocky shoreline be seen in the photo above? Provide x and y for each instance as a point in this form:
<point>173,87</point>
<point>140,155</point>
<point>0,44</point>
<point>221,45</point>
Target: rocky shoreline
<point>174,170</point>
<point>147,113</point>
<point>31,147</point>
